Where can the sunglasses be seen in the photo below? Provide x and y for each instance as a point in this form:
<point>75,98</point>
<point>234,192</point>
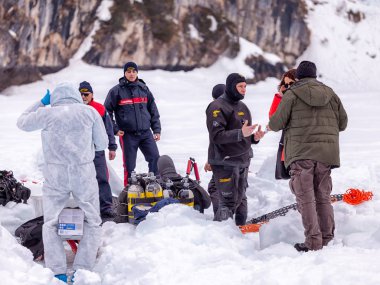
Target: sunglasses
<point>287,85</point>
<point>84,94</point>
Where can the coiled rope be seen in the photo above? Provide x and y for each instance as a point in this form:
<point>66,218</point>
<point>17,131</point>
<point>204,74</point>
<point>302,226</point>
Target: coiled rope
<point>355,196</point>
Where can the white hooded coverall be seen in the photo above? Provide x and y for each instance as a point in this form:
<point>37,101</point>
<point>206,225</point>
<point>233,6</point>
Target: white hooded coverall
<point>71,133</point>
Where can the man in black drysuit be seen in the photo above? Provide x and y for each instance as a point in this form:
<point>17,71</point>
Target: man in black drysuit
<point>231,134</point>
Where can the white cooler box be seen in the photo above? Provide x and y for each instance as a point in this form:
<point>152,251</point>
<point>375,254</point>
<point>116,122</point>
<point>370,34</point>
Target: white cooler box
<point>70,224</point>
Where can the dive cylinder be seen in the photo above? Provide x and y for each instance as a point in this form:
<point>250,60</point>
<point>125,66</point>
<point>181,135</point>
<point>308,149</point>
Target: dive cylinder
<point>186,195</point>
<point>153,190</point>
<point>122,207</point>
<point>167,191</point>
<point>136,195</point>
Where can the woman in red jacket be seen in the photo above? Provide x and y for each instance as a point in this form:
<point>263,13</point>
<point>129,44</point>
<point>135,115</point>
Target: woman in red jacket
<point>288,78</point>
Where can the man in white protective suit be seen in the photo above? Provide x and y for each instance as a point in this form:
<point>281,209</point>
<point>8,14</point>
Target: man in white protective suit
<point>71,133</point>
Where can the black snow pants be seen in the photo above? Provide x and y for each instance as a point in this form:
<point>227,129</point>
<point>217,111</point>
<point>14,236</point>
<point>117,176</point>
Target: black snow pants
<point>231,184</point>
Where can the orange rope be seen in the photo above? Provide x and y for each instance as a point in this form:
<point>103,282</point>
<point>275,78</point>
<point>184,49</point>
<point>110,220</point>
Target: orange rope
<point>250,228</point>
<point>355,196</point>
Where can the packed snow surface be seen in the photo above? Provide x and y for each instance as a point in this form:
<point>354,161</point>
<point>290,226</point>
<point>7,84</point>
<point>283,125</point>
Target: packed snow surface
<point>181,246</point>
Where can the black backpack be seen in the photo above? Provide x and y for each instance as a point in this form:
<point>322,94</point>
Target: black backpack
<point>11,190</point>
<point>30,234</point>
<point>202,199</point>
<point>281,171</point>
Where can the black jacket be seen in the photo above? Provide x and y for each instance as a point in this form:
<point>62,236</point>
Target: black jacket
<point>134,107</point>
<point>225,119</point>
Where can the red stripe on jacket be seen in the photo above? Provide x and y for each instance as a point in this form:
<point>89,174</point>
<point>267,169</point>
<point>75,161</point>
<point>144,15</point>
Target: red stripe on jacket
<point>130,101</point>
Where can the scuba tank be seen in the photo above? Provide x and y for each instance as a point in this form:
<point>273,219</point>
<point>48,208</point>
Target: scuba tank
<point>167,191</point>
<point>136,195</point>
<point>122,207</point>
<point>186,195</point>
<point>153,190</point>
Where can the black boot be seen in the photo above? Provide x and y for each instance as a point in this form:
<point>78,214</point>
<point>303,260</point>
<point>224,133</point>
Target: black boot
<point>107,214</point>
<point>223,214</point>
<point>301,247</point>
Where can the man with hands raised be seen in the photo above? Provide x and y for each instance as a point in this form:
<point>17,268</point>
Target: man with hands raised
<point>71,133</point>
<point>248,130</point>
<point>231,134</point>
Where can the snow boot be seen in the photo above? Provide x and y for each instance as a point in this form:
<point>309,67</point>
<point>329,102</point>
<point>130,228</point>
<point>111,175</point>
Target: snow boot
<point>223,214</point>
<point>72,278</point>
<point>301,247</point>
<point>62,277</point>
<point>109,213</point>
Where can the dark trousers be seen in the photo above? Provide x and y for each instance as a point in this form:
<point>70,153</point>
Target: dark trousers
<point>105,194</point>
<point>144,141</point>
<point>231,184</point>
<point>311,184</point>
<point>214,195</point>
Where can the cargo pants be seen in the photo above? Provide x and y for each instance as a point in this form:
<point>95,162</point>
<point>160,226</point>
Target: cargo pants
<point>214,195</point>
<point>311,184</point>
<point>231,184</point>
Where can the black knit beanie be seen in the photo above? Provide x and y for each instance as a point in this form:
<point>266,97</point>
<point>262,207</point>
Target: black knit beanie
<point>165,166</point>
<point>218,90</point>
<point>130,64</point>
<point>306,69</point>
<point>231,81</point>
<point>85,87</point>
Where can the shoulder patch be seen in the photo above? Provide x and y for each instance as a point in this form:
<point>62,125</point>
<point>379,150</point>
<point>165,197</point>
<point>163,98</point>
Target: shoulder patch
<point>215,113</point>
<point>241,113</point>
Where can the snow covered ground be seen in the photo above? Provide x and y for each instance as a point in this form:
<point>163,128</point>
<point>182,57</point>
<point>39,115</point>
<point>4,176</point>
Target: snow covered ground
<point>181,246</point>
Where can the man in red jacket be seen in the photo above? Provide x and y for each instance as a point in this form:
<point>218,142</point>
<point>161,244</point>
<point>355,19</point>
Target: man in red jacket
<point>105,194</point>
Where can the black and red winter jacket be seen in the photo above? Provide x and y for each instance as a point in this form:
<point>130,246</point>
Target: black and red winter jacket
<point>134,108</point>
<point>107,123</point>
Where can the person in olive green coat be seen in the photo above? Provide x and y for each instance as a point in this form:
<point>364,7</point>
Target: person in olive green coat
<point>312,116</point>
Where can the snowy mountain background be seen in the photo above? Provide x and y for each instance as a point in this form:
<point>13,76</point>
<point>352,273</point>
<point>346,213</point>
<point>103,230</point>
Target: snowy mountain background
<point>180,246</point>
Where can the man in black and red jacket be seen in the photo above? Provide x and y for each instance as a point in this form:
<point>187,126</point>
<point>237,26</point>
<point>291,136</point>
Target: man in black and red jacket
<point>105,194</point>
<point>136,116</point>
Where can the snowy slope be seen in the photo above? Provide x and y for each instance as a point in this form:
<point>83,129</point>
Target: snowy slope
<point>181,246</point>
<point>347,53</point>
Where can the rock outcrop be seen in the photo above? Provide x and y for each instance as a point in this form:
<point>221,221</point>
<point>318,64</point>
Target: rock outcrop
<point>162,34</point>
<point>276,26</point>
<point>40,36</point>
<point>183,34</point>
